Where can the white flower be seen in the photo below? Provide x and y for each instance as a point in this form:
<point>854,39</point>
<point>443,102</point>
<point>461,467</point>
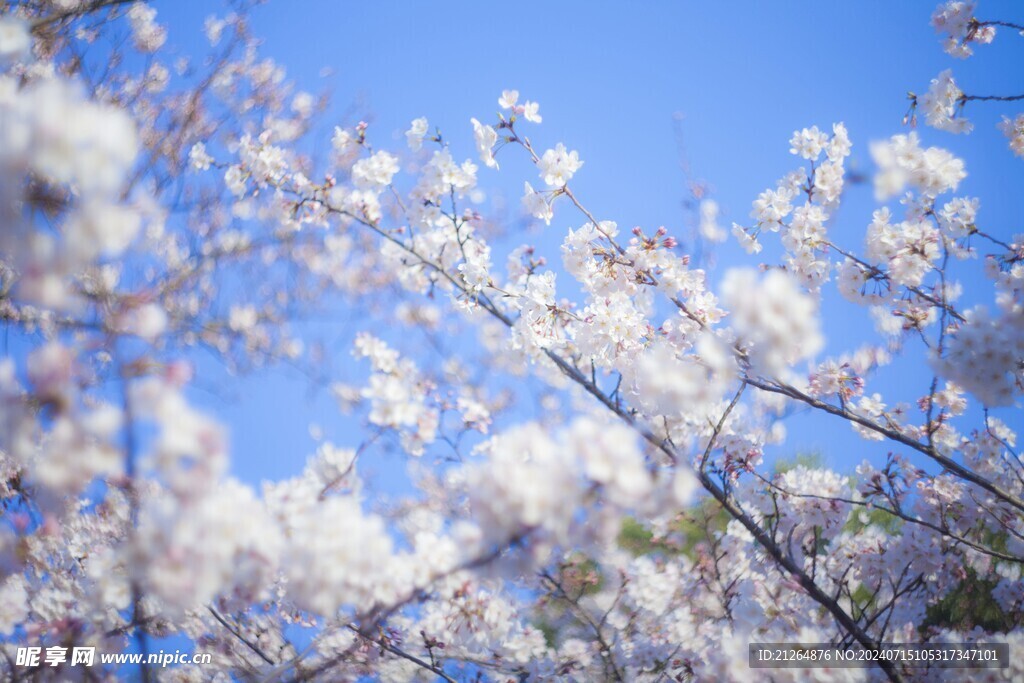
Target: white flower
<point>220,544</point>
<point>828,182</point>
<point>148,322</point>
<point>692,385</point>
<point>536,204</point>
<point>474,413</point>
<point>50,368</point>
<point>302,104</point>
<point>485,136</point>
<point>199,158</point>
<point>264,163</point>
<point>375,172</point>
<point>558,165</point>
<point>508,99</point>
<point>886,324</point>
<point>772,317</point>
<point>610,457</point>
<point>50,127</point>
<point>235,180</point>
<point>334,557</point>
<point>13,604</point>
<point>652,585</point>
<point>1014,130</point>
<point>148,35</point>
<point>808,143</point>
<point>100,228</point>
<point>476,266</point>
<point>941,105</point>
<point>189,453</point>
<point>816,511</point>
<point>439,177</point>
<point>901,161</point>
<point>526,480</point>
<point>685,486</point>
<point>530,112</point>
<point>955,18</point>
<point>709,227</point>
<point>15,39</point>
<point>984,357</point>
<point>852,279</point>
<point>748,242</point>
<point>213,29</point>
<point>397,395</point>
<point>243,318</point>
<point>343,141</point>
<point>417,131</point>
<point>839,146</point>
<point>957,217</point>
<point>771,207</point>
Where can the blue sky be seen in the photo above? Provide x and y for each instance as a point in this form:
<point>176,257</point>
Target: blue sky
<point>610,78</point>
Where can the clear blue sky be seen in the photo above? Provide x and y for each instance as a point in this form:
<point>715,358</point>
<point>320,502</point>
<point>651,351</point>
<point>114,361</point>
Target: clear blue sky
<point>609,78</point>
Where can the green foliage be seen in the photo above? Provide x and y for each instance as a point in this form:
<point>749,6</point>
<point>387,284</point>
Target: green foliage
<point>635,538</point>
<point>810,460</point>
<point>703,519</point>
<point>968,605</point>
<point>549,630</point>
<point>888,522</point>
<point>693,526</point>
<point>707,518</point>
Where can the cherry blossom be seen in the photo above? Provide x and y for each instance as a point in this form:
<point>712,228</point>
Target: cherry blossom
<point>941,105</point>
<point>956,20</point>
<point>557,166</point>
<point>485,136</point>
<point>1014,130</point>
<point>591,436</point>
<point>15,40</point>
<point>417,131</point>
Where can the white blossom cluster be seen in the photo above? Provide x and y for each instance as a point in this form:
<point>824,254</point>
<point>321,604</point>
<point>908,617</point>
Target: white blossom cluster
<point>945,101</point>
<point>942,103</point>
<point>773,320</point>
<point>398,395</point>
<point>597,491</point>
<point>803,229</point>
<point>902,161</point>
<point>1013,129</point>
<point>955,20</point>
